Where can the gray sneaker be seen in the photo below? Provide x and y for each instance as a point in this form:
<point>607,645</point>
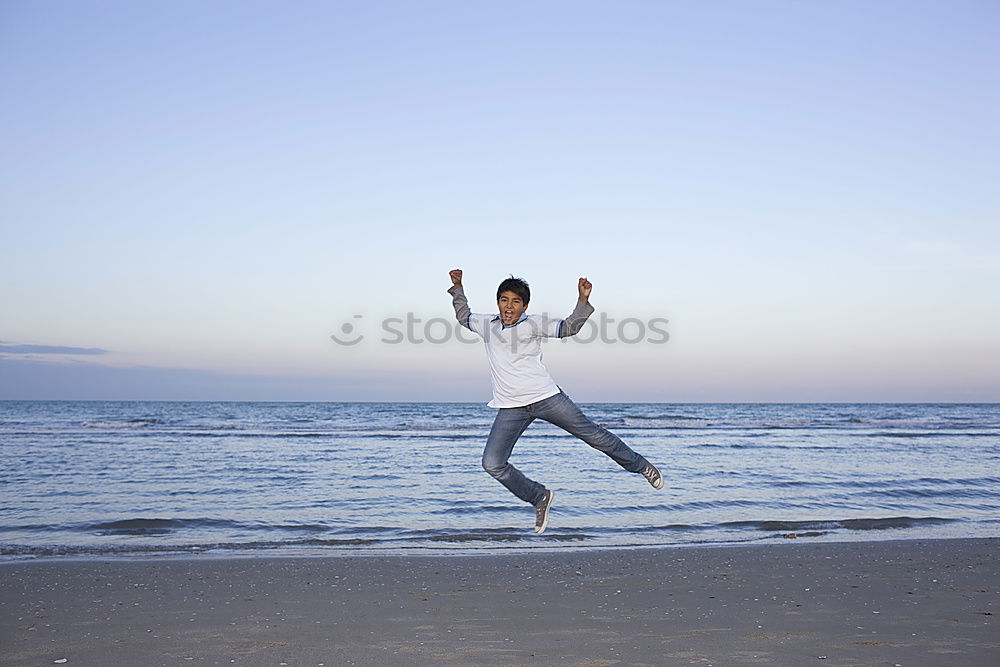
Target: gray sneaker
<point>653,476</point>
<point>542,512</point>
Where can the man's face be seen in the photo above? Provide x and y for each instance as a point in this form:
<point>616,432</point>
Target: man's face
<point>511,307</point>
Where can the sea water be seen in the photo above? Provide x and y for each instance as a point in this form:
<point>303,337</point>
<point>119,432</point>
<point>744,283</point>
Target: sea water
<point>95,478</point>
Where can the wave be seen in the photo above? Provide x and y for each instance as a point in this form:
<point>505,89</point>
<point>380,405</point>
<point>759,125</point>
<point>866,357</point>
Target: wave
<point>507,536</point>
<point>22,550</point>
<point>141,526</point>
<point>392,424</point>
<point>753,437</point>
<point>762,446</point>
<point>145,526</point>
<point>467,417</point>
<point>921,485</point>
<point>885,523</point>
<point>478,509</point>
<point>926,493</point>
<point>389,537</point>
<point>128,423</point>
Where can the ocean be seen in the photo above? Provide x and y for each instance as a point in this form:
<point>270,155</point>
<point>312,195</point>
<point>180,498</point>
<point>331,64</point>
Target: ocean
<point>126,479</point>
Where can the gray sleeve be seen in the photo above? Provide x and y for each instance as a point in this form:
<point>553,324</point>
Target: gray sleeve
<point>574,322</point>
<point>461,304</point>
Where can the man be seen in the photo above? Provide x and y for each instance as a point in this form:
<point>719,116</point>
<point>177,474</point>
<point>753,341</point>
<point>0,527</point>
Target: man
<point>524,391</point>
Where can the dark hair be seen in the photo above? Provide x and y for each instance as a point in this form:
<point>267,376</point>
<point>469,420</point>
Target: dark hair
<point>517,286</point>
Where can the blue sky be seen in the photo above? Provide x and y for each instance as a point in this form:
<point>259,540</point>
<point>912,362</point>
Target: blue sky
<point>194,196</point>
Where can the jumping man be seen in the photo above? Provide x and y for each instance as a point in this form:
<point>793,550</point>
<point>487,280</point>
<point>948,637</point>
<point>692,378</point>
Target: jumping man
<point>524,391</point>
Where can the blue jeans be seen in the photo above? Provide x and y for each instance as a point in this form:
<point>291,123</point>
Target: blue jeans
<point>561,411</point>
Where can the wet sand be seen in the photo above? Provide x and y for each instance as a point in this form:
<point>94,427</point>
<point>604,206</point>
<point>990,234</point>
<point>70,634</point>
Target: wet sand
<point>875,603</point>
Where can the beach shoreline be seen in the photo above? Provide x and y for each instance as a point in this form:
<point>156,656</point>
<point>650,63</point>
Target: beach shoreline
<point>907,602</point>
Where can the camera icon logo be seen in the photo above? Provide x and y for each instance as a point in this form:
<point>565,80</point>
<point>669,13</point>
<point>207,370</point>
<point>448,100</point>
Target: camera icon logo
<point>347,329</point>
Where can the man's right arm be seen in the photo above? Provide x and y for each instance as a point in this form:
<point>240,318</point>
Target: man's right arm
<point>458,300</point>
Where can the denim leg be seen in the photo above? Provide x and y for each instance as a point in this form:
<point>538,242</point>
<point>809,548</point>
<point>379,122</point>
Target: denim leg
<point>564,413</point>
<point>508,426</point>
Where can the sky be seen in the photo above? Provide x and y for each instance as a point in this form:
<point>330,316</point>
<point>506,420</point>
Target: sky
<point>774,200</point>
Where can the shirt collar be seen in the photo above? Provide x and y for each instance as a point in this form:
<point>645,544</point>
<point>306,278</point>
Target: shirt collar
<point>496,318</point>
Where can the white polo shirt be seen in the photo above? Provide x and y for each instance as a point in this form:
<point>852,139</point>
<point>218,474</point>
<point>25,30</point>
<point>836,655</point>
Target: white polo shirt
<point>515,354</point>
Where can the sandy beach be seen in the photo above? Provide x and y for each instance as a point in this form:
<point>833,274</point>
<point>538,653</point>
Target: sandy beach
<point>905,603</point>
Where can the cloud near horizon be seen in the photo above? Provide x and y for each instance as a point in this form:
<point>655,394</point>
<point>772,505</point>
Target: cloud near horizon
<point>12,348</point>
